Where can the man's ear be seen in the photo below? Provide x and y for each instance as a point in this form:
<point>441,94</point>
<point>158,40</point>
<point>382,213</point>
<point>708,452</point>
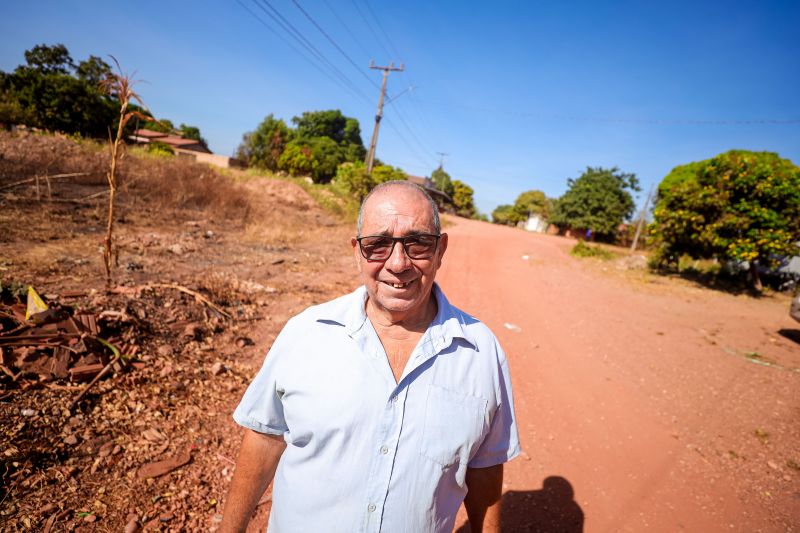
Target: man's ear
<point>442,248</point>
<point>356,252</point>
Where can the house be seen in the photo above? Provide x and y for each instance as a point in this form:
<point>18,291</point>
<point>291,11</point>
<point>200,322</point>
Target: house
<point>536,223</point>
<point>190,148</point>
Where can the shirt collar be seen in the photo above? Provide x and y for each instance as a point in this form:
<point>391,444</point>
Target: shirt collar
<point>448,324</point>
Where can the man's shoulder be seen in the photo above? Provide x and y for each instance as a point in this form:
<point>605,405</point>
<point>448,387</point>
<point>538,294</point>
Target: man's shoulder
<point>338,310</point>
<point>474,330</point>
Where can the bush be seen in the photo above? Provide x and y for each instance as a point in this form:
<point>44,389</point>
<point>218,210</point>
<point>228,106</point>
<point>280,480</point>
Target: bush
<point>584,250</point>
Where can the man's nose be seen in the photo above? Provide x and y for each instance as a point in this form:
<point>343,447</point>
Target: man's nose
<point>398,260</point>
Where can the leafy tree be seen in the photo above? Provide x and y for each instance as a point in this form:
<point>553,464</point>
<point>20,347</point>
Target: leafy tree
<point>297,160</point>
<point>739,205</point>
<point>263,147</point>
<point>384,173</point>
<point>442,181</point>
<point>49,59</point>
<point>331,123</point>
<point>50,92</point>
<point>462,199</point>
<point>192,132</point>
<point>354,179</point>
<point>532,203</point>
<point>504,214</point>
<point>599,200</point>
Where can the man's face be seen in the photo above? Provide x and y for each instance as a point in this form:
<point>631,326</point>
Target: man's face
<point>399,285</point>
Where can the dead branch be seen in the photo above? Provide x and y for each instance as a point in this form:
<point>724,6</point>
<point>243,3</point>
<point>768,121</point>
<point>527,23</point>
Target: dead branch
<point>199,297</point>
<point>33,179</point>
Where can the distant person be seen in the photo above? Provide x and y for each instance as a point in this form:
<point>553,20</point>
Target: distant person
<point>386,408</point>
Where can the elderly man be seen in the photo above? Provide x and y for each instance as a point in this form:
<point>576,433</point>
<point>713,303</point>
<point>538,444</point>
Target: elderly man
<point>385,409</point>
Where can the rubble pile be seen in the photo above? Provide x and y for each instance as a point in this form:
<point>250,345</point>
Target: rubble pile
<point>105,389</point>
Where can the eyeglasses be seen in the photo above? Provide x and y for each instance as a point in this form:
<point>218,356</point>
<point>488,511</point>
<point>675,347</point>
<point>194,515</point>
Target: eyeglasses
<point>379,247</point>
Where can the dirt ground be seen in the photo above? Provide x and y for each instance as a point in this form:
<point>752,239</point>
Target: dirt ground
<point>644,403</point>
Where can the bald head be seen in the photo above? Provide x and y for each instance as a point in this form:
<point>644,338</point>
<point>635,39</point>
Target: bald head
<point>401,187</point>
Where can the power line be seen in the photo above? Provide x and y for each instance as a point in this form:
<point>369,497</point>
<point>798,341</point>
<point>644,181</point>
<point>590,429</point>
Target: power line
<point>293,32</point>
<point>380,27</point>
<point>312,61</point>
<point>347,28</point>
<point>371,30</point>
<point>334,43</point>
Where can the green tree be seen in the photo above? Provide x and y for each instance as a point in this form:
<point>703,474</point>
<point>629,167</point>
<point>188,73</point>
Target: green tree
<point>297,160</point>
<point>354,179</point>
<point>598,200</point>
<point>532,203</point>
<point>739,205</point>
<point>504,214</point>
<point>330,123</point>
<point>50,92</point>
<point>462,199</point>
<point>263,147</point>
<point>442,181</point>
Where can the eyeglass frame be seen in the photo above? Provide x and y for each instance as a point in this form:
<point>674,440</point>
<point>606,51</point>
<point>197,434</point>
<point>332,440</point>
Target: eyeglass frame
<point>401,240</point>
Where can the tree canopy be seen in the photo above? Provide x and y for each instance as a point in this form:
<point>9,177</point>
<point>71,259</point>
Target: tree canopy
<point>739,205</point>
<point>528,203</point>
<point>599,200</point>
<point>462,199</point>
<point>52,92</point>
<point>319,143</point>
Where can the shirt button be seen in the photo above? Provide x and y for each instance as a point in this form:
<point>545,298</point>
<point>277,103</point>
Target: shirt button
<point>384,450</point>
<point>394,399</point>
<point>371,507</point>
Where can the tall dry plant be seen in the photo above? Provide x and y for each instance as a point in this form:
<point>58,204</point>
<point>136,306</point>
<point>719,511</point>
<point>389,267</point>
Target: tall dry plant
<point>120,86</point>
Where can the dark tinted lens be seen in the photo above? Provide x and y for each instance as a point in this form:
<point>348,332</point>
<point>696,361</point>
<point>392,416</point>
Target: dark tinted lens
<point>420,246</point>
<point>376,247</point>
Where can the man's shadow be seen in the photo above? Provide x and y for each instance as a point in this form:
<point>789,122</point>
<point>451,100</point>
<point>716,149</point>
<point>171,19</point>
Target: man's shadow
<point>551,509</point>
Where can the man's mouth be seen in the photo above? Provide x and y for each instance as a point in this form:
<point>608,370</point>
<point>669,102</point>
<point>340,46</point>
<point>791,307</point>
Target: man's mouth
<point>398,285</point>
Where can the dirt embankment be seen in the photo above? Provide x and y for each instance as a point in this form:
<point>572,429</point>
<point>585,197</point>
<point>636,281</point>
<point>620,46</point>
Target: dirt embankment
<point>258,249</point>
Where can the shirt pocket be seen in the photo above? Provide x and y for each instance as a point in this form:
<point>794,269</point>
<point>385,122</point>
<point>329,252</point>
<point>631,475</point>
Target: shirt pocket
<point>453,423</point>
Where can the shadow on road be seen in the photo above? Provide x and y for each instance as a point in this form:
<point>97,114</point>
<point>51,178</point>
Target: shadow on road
<point>791,334</point>
<point>551,509</point>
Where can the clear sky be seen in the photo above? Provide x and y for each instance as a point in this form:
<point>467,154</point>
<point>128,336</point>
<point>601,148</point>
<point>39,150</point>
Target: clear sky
<point>520,95</point>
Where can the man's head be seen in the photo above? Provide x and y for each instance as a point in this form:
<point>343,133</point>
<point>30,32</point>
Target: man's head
<point>399,275</point>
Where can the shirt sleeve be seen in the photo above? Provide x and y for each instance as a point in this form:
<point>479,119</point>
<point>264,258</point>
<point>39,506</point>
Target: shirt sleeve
<point>502,442</point>
<point>261,408</point>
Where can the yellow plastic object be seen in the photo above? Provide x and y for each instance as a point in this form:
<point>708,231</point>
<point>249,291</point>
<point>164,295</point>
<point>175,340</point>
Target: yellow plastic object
<point>35,303</point>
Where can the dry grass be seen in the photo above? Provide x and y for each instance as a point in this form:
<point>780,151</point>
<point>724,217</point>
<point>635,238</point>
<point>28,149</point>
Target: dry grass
<point>157,182</point>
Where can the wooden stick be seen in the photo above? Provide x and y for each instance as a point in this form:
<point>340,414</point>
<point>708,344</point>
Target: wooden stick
<point>196,294</point>
<point>35,178</point>
<point>95,380</point>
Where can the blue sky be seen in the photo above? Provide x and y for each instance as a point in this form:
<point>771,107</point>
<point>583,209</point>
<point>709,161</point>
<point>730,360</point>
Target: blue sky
<point>521,95</point>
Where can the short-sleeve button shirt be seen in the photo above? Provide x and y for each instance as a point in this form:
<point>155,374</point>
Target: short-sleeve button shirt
<point>367,453</point>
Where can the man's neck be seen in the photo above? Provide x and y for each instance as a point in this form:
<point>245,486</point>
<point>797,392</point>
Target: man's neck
<point>399,324</point>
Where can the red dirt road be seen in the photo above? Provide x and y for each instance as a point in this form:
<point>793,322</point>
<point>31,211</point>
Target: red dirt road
<point>633,392</point>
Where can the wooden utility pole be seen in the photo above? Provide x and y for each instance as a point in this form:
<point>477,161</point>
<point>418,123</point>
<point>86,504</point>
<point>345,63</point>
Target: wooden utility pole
<point>442,155</point>
<point>374,142</point>
<point>641,219</point>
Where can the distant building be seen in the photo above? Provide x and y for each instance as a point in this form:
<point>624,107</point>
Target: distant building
<point>536,223</point>
<point>183,147</point>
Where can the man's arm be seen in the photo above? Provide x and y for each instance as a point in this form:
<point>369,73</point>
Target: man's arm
<point>484,488</point>
<point>255,468</point>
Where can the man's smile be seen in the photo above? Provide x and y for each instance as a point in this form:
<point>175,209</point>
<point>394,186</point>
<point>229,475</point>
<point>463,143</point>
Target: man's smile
<point>398,284</point>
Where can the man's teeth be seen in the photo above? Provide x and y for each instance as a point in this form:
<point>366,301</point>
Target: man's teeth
<point>398,285</point>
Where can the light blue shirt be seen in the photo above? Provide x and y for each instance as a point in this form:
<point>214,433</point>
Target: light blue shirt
<point>365,453</point>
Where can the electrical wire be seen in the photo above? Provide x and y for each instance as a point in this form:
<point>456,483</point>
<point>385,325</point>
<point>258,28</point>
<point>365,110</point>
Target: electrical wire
<point>334,43</point>
<point>293,32</point>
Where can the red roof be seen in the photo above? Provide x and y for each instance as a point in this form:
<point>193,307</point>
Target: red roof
<point>149,134</point>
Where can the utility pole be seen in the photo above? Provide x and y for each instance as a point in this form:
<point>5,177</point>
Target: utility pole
<point>641,219</point>
<point>373,143</point>
<point>442,155</point>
